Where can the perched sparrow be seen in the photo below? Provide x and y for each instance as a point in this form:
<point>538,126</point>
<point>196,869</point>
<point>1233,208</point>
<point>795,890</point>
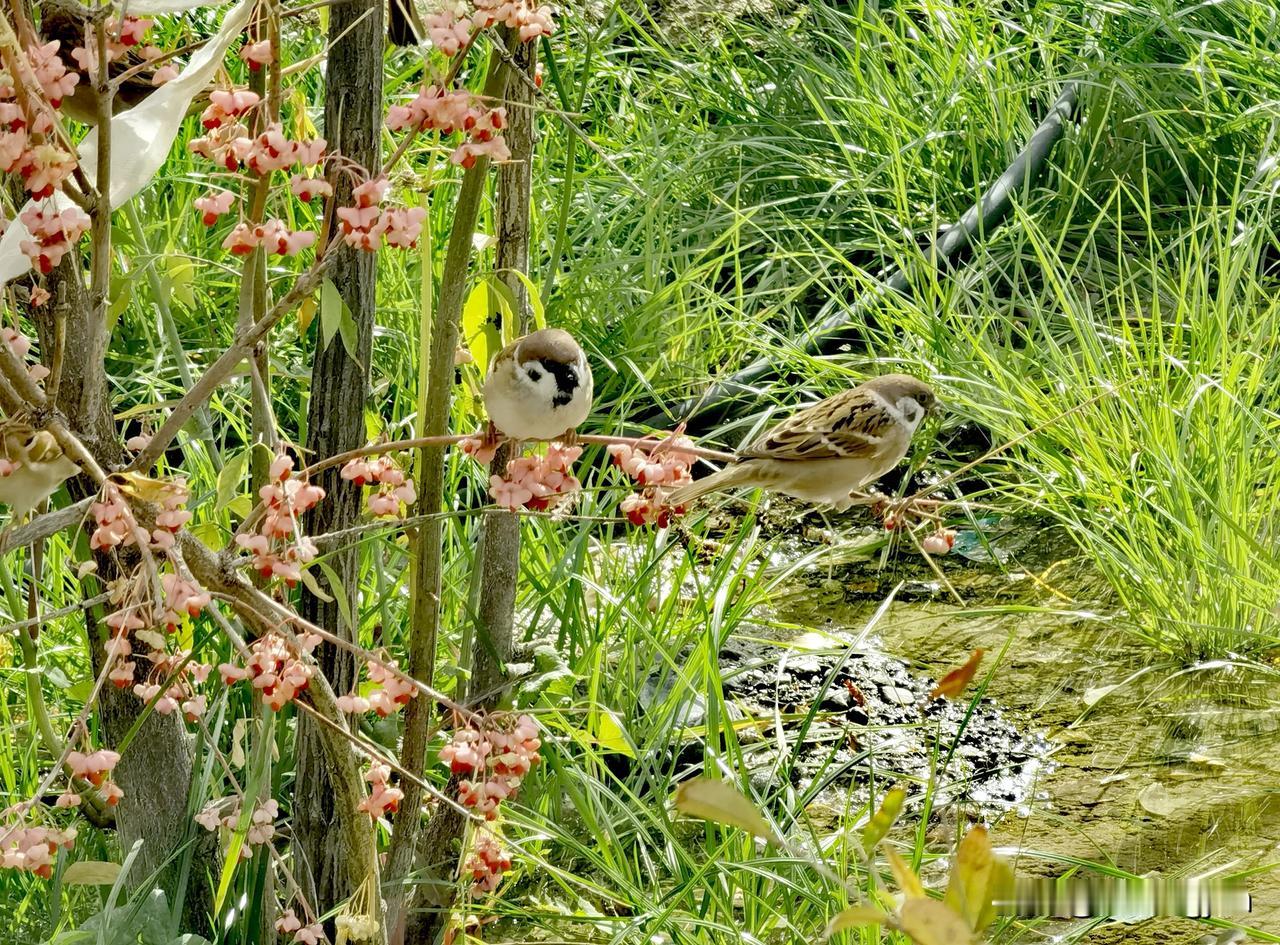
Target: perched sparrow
<point>32,468</point>
<point>826,453</point>
<point>539,386</point>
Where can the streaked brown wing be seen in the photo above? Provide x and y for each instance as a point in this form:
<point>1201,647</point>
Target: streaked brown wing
<point>848,425</point>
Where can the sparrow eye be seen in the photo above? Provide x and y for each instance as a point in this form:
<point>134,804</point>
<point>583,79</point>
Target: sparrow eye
<point>534,374</point>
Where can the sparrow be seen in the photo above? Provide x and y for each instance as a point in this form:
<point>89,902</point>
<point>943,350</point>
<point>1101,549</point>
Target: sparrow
<point>539,387</point>
<point>33,467</point>
<point>826,453</point>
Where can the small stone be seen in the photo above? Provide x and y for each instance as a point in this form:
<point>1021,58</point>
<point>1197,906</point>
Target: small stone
<point>897,695</point>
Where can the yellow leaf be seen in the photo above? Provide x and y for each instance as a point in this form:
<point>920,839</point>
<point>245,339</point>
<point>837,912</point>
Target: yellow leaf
<point>953,683</point>
<point>307,313</point>
<point>855,917</point>
<point>999,889</point>
<point>478,331</point>
<point>929,922</point>
<point>907,881</point>
<point>91,873</point>
<point>609,734</point>
<point>882,820</point>
<point>143,487</point>
<point>967,892</point>
<point>721,802</point>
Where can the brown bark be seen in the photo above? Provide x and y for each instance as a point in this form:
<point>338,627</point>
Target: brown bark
<point>155,772</point>
<point>427,570</point>
<point>500,560</point>
<point>500,549</point>
<point>335,423</point>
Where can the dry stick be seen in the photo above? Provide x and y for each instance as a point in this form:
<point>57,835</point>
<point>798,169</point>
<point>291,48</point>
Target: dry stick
<point>221,369</point>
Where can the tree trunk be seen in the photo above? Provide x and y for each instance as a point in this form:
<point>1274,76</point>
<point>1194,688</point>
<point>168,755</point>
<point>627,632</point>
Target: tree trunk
<point>500,560</point>
<point>500,549</point>
<point>335,423</point>
<point>155,771</point>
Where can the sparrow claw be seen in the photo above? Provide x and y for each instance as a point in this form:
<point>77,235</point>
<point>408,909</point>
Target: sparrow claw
<point>492,437</point>
<point>569,438</point>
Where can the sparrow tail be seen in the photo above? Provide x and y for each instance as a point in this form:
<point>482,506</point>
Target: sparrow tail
<point>736,474</point>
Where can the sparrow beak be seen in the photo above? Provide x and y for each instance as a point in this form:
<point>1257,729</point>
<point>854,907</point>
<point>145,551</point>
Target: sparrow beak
<point>937,408</point>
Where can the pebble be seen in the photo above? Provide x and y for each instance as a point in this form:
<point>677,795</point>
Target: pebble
<point>897,695</point>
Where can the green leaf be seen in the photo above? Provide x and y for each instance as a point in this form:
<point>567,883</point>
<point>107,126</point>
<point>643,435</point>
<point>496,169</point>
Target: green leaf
<point>968,891</point>
<point>339,592</point>
<point>230,477</point>
<point>119,295</point>
<point>907,881</point>
<point>855,917</point>
<point>720,801</point>
<point>535,300</point>
<point>336,319</point>
<point>180,272</point>
<point>91,873</point>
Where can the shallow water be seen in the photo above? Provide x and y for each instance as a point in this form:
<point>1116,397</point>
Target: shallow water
<point>1175,772</point>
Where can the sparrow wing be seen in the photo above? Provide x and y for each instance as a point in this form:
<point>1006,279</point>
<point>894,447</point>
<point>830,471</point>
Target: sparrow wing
<point>849,425</point>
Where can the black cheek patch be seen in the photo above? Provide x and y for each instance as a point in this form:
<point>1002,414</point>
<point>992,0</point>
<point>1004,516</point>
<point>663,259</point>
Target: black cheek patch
<point>566,376</point>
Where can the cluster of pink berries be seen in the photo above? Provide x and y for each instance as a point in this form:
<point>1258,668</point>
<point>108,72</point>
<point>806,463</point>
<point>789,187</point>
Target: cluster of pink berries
<point>664,466</point>
<point>487,862</point>
<point>456,111</point>
<point>181,672</point>
<point>273,236</point>
<point>20,345</point>
<point>392,690</point>
<point>537,482</point>
<point>531,18</point>
<point>51,72</point>
<point>93,767</point>
<point>131,33</point>
<point>395,489</point>
<point>498,752</point>
<point>262,826</point>
<point>365,224</point>
<point>277,670</point>
<point>27,144</point>
<point>278,549</point>
<point>290,924</point>
<point>53,235</point>
<point>32,849</point>
<point>116,526</point>
<point>383,799</point>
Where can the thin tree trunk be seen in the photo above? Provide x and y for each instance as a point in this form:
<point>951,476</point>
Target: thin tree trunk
<point>155,772</point>
<point>440,837</point>
<point>335,423</point>
<point>500,559</point>
<point>500,549</point>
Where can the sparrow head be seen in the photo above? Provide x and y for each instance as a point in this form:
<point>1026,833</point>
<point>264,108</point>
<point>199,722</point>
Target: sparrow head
<point>553,363</point>
<point>913,398</point>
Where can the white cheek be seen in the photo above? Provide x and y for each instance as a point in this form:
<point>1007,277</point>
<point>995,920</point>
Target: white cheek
<point>911,412</point>
<point>541,390</point>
